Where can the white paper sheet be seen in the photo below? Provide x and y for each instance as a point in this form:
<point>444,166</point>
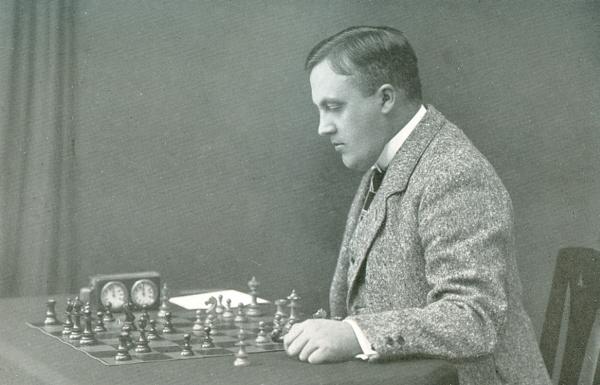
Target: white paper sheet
<point>197,301</point>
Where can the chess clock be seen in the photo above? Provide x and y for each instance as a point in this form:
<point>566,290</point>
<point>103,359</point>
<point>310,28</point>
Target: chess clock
<point>142,289</point>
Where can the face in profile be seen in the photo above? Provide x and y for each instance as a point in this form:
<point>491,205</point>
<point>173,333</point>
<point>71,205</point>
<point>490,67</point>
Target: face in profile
<point>352,121</point>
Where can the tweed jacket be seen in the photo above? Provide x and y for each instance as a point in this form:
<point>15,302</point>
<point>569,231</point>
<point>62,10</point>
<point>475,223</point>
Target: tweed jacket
<point>429,270</point>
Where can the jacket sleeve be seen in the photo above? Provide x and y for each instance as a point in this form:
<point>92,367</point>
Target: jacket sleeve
<point>465,230</point>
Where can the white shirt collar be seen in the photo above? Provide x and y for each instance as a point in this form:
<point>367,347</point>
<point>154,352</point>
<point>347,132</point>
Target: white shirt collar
<point>392,147</point>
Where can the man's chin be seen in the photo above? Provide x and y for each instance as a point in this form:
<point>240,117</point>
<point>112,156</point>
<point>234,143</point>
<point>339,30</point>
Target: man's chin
<point>353,164</point>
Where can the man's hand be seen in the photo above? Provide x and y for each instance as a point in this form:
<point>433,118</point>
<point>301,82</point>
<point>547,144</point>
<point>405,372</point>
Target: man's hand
<point>321,340</point>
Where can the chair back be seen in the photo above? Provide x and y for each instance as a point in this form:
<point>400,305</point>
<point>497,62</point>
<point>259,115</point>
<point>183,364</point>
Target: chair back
<point>577,272</point>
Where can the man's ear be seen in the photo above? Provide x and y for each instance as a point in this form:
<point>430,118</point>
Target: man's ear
<point>388,96</point>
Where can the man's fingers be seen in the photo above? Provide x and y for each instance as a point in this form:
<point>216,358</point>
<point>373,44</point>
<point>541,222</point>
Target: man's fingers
<point>318,356</point>
<point>291,335</point>
<point>295,347</point>
<point>307,350</point>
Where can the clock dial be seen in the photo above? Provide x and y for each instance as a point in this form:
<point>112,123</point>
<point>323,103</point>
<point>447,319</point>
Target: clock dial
<point>144,293</point>
<point>114,292</point>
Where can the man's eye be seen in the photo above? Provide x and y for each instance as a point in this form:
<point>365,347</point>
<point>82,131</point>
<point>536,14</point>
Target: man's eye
<point>333,107</point>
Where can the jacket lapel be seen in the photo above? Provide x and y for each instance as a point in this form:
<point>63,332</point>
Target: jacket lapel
<point>395,181</point>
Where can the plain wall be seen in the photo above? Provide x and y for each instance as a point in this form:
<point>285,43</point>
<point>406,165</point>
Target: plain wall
<point>197,152</point>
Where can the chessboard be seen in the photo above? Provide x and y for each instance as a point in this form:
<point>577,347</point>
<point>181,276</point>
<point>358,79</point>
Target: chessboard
<point>188,334</point>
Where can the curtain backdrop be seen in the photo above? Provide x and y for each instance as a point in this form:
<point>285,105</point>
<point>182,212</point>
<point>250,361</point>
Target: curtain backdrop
<point>36,147</point>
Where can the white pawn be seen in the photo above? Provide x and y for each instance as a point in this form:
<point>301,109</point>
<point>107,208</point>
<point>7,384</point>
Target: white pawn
<point>261,337</point>
<point>241,315</point>
<point>241,357</point>
<point>220,309</point>
<point>227,313</point>
<point>198,327</point>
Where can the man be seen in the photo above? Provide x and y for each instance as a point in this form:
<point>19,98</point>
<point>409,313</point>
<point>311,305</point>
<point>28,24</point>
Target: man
<point>426,266</point>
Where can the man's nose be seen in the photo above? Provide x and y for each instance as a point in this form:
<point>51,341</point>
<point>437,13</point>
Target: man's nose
<point>326,126</point>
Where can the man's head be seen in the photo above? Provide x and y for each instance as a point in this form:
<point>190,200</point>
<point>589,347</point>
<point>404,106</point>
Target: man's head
<point>364,81</point>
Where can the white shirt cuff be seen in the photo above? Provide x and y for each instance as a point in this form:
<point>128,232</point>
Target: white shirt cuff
<point>362,341</point>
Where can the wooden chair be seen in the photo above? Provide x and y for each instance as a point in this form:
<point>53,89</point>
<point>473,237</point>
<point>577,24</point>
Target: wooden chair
<point>578,272</point>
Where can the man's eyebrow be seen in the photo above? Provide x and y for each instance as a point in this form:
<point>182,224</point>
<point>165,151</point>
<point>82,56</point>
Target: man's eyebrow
<point>325,101</point>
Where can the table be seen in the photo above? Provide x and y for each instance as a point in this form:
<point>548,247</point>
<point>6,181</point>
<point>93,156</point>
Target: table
<point>29,357</point>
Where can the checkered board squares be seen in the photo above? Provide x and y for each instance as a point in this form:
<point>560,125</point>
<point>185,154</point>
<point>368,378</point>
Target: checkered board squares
<point>168,347</point>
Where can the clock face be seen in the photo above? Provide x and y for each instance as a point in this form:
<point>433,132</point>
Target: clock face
<point>115,293</point>
<point>144,293</point>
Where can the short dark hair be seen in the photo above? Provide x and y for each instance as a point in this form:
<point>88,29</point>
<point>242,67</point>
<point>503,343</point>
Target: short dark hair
<point>376,55</point>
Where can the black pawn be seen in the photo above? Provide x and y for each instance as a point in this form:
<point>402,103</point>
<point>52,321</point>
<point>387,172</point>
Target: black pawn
<point>68,325</point>
<point>186,349</point>
<point>122,349</point>
<point>99,323</point>
<point>76,330</point>
<point>276,333</point>
<point>142,342</point>
<point>88,336</point>
<point>126,330</point>
<point>208,342</point>
<point>129,316</point>
<point>152,333</point>
<point>108,315</point>
<point>168,325</point>
<point>51,313</point>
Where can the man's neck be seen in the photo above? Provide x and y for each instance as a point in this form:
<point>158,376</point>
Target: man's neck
<point>403,116</point>
<point>397,140</point>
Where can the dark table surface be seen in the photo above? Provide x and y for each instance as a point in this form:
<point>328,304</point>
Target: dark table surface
<point>29,357</point>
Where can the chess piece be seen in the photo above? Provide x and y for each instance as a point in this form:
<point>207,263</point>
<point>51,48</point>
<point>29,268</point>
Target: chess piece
<point>293,318</point>
<point>241,357</point>
<point>293,298</point>
<point>186,349</point>
<point>168,325</point>
<point>129,316</point>
<point>50,313</point>
<point>280,303</point>
<point>68,325</point>
<point>76,331</point>
<point>220,309</point>
<point>208,342</point>
<point>142,343</point>
<point>122,349</point>
<point>88,336</point>
<point>241,315</point>
<point>253,308</point>
<point>108,315</point>
<point>227,313</point>
<point>164,302</point>
<point>261,337</point>
<point>87,307</point>
<point>99,322</point>
<point>210,321</point>
<point>320,314</point>
<point>277,332</point>
<point>126,330</point>
<point>288,325</point>
<point>145,314</point>
<point>152,333</point>
<point>198,324</point>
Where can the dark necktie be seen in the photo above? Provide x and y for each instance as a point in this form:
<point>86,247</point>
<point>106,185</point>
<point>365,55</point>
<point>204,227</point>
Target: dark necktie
<point>374,184</point>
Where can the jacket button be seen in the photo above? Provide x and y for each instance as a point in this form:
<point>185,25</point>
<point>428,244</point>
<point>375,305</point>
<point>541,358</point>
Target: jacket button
<point>389,341</point>
<point>400,340</point>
